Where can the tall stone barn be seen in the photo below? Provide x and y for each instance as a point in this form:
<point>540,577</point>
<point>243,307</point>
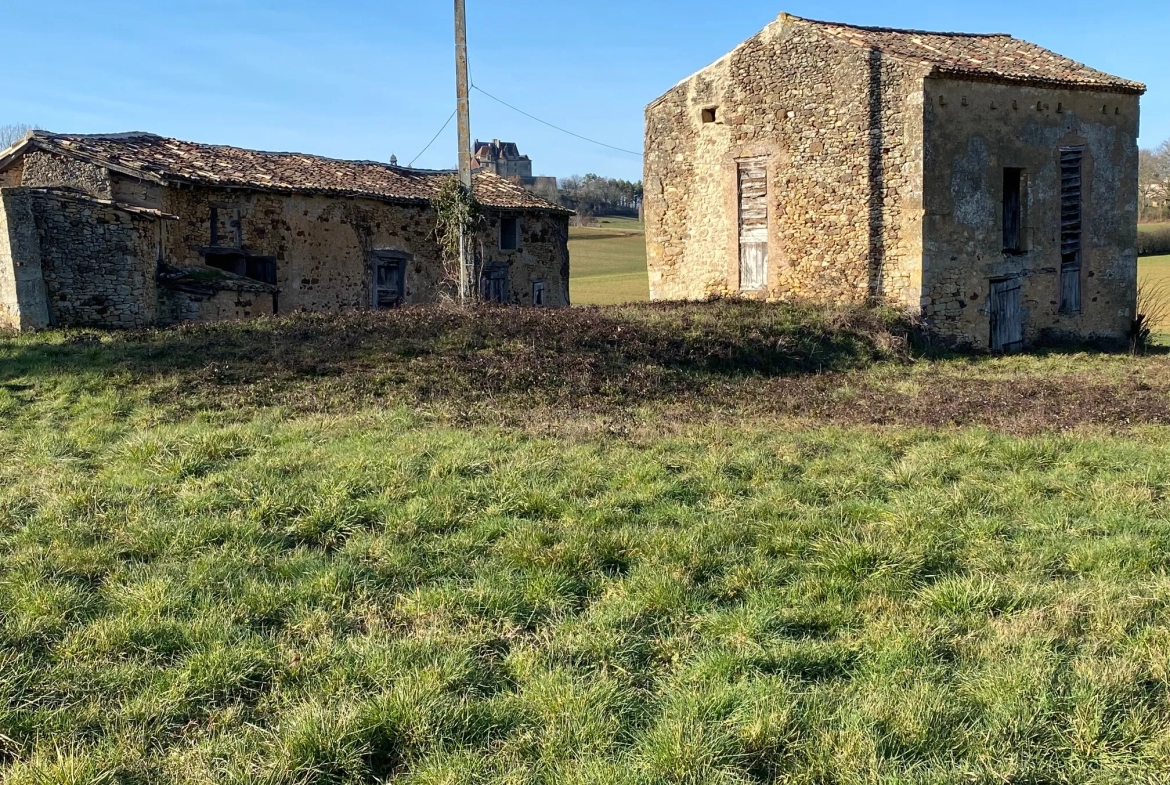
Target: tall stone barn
<point>981,180</point>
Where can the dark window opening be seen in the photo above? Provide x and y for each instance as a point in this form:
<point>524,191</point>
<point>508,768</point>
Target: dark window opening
<point>1071,228</point>
<point>258,268</point>
<point>710,114</point>
<point>538,293</point>
<point>214,227</point>
<point>1013,210</point>
<point>493,284</point>
<point>389,283</point>
<point>509,234</point>
<point>230,263</point>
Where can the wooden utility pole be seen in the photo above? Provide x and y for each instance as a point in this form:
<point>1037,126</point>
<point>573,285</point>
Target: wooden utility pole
<point>462,86</point>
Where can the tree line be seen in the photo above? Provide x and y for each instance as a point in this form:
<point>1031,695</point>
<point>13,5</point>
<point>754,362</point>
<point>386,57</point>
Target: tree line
<point>1154,183</point>
<point>594,195</point>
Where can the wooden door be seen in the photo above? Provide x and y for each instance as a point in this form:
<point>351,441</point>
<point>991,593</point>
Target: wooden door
<point>753,224</point>
<point>388,283</point>
<point>1007,319</point>
<point>493,284</point>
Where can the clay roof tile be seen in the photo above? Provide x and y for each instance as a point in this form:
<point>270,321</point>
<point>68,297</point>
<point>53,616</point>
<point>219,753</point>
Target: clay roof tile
<point>173,160</point>
<point>984,56</point>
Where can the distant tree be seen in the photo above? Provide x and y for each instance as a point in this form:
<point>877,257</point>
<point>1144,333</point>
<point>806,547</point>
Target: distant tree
<point>11,134</point>
<point>1154,182</point>
<point>596,195</point>
<point>548,191</point>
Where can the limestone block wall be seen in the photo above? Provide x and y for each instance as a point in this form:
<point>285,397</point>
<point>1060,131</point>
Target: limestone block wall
<point>324,246</point>
<point>841,127</point>
<point>973,131</point>
<point>42,169</point>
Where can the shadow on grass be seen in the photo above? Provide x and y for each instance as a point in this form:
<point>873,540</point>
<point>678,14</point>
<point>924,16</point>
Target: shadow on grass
<point>434,351</point>
<point>535,367</point>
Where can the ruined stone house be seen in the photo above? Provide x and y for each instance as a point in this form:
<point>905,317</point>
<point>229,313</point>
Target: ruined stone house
<point>983,181</point>
<point>135,230</point>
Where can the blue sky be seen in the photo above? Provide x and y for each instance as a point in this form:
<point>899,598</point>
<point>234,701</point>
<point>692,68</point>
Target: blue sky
<point>370,78</point>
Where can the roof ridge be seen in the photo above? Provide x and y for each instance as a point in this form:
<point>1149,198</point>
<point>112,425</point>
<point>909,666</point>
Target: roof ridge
<point>900,30</point>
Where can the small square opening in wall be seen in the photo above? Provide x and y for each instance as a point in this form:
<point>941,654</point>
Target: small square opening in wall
<point>710,114</point>
<point>509,234</point>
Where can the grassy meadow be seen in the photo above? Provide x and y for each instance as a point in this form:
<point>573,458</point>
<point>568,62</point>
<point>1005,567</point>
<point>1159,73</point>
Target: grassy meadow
<point>1154,274</point>
<point>609,263</point>
<point>722,543</point>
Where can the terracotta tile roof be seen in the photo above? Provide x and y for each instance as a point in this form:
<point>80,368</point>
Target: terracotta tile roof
<point>173,161</point>
<point>994,56</point>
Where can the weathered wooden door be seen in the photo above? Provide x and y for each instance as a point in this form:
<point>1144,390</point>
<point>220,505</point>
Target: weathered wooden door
<point>389,289</point>
<point>753,224</point>
<point>493,285</point>
<point>1007,319</point>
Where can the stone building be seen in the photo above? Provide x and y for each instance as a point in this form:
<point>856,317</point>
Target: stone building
<point>981,180</point>
<point>133,230</point>
<point>503,159</point>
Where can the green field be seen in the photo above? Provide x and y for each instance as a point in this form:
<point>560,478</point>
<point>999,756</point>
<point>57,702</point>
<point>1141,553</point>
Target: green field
<point>1154,282</point>
<point>725,543</point>
<point>608,263</point>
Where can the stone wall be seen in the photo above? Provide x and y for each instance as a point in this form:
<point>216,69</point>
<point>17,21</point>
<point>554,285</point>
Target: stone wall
<point>56,171</point>
<point>97,261</point>
<point>13,176</point>
<point>213,306</point>
<point>972,132</point>
<point>841,127</point>
<point>23,301</point>
<point>324,246</point>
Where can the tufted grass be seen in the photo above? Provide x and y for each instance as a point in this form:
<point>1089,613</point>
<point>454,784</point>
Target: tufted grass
<point>264,594</point>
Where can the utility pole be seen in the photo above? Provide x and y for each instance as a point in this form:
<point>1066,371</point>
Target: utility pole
<point>462,86</point>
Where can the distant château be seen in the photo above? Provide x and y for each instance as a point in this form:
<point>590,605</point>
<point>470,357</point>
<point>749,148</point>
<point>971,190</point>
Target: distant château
<point>503,159</point>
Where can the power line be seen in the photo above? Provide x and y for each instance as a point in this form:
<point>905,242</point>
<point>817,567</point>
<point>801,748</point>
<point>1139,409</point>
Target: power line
<point>428,147</point>
<point>550,125</point>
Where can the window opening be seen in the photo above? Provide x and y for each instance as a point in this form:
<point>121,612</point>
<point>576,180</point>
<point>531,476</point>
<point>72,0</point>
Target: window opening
<point>538,294</point>
<point>509,234</point>
<point>1013,210</point>
<point>710,114</point>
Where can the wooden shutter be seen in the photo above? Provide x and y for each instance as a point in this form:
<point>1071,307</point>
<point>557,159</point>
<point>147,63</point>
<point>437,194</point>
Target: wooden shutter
<point>753,224</point>
<point>1071,227</point>
<point>1007,318</point>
